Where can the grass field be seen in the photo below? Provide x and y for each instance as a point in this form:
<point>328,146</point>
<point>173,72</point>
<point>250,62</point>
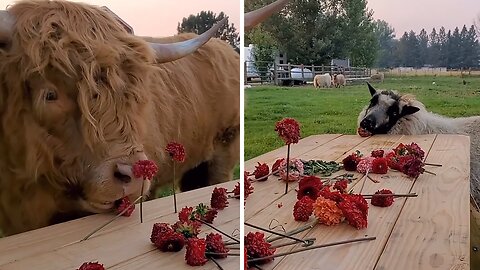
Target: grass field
<point>336,110</point>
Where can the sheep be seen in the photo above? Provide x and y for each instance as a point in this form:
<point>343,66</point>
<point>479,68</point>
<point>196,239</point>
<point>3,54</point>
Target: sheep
<point>392,113</point>
<point>339,80</point>
<point>324,80</point>
<point>377,77</point>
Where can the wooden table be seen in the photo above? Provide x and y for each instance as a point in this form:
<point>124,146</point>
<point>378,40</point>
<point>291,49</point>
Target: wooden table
<point>430,231</point>
<point>124,244</point>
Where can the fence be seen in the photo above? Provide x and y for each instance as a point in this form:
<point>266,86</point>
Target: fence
<point>288,74</point>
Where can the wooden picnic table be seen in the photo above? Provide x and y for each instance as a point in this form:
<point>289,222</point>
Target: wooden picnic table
<point>431,231</point>
<point>124,244</point>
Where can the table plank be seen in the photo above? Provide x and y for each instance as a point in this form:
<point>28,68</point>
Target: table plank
<point>433,229</point>
<point>59,242</point>
<point>381,220</point>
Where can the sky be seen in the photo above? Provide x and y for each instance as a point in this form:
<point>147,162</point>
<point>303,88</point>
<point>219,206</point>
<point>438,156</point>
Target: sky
<point>406,15</point>
<point>160,18</point>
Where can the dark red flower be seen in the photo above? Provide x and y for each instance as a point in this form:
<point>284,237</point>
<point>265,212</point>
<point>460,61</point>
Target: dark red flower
<point>353,214</point>
<point>328,194</point>
<point>276,165</point>
<point>261,170</point>
<point>123,204</point>
<point>176,151</point>
<point>359,202</point>
<point>377,153</point>
<point>145,169</point>
<point>245,259</point>
<point>258,247</point>
<point>393,161</point>
<point>159,229</point>
<point>91,266</point>
<point>413,167</point>
<point>189,229</point>
<point>215,244</point>
<point>415,150</point>
<point>350,162</point>
<point>309,186</point>
<point>303,209</point>
<point>380,166</point>
<point>219,198</point>
<point>210,215</point>
<point>382,201</point>
<point>185,214</point>
<point>195,254</point>
<point>400,150</point>
<point>341,185</point>
<point>170,242</point>
<point>289,130</point>
<point>363,132</point>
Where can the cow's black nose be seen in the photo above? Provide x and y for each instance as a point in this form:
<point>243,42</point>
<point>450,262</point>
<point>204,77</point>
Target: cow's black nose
<point>123,173</point>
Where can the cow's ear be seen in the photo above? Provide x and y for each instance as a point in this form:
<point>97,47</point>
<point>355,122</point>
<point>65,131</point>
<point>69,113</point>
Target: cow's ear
<point>371,89</point>
<point>407,110</point>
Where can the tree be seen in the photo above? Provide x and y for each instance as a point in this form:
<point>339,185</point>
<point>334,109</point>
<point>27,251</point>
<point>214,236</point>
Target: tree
<point>386,36</point>
<point>434,49</point>
<point>264,50</point>
<point>402,51</point>
<point>205,20</point>
<point>423,48</point>
<point>443,42</point>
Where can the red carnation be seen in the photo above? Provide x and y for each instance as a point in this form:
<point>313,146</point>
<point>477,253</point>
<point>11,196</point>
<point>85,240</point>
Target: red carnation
<point>363,132</point>
<point>415,150</point>
<point>145,169</point>
<point>210,215</point>
<point>303,209</point>
<point>258,247</point>
<point>159,229</point>
<point>353,214</point>
<point>350,162</point>
<point>377,153</point>
<point>328,194</point>
<point>341,186</point>
<point>215,244</point>
<point>382,201</point>
<point>380,166</point>
<point>261,170</point>
<point>195,254</point>
<point>413,167</point>
<point>276,166</point>
<point>176,151</point>
<point>393,161</point>
<point>170,242</point>
<point>188,229</point>
<point>309,186</point>
<point>219,198</point>
<point>123,204</point>
<point>289,130</point>
<point>245,259</point>
<point>91,266</point>
<point>359,201</point>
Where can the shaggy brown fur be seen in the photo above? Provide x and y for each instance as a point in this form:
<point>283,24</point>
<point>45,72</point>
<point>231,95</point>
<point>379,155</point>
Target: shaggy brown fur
<point>78,94</point>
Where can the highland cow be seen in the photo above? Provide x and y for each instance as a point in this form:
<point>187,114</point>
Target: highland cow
<point>324,80</point>
<point>82,100</point>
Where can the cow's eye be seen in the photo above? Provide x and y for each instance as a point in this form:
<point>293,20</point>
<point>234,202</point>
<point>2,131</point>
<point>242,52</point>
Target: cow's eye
<point>50,95</point>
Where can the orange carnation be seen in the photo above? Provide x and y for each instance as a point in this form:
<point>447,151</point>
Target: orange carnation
<point>327,211</point>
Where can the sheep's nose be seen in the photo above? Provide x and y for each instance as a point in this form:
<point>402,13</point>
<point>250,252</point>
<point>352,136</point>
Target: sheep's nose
<point>368,124</point>
<point>123,173</point>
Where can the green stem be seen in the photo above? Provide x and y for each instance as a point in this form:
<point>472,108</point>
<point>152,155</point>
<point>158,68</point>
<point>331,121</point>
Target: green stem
<point>174,191</point>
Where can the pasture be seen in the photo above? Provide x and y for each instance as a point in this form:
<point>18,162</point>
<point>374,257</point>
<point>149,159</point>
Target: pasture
<point>335,110</point>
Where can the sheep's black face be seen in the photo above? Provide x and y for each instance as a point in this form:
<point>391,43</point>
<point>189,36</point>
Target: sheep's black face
<point>384,111</point>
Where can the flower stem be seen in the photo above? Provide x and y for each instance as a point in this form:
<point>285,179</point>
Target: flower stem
<point>218,230</point>
<point>216,263</point>
<point>304,241</point>
<point>433,164</point>
<point>295,231</point>
<point>141,203</point>
<point>174,191</point>
<point>110,221</point>
<point>429,172</point>
<point>288,168</point>
<point>369,196</point>
<point>310,248</point>
<point>291,243</point>
<point>219,254</point>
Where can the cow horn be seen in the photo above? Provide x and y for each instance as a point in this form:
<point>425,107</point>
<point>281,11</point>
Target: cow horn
<point>173,51</point>
<point>255,17</point>
<point>6,28</point>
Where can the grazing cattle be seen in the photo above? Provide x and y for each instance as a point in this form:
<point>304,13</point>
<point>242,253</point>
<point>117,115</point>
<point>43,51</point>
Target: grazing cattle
<point>324,80</point>
<point>339,80</point>
<point>379,77</point>
<point>392,113</point>
<point>82,100</point>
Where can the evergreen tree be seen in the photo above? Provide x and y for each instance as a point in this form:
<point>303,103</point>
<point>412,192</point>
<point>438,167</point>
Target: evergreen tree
<point>402,50</point>
<point>423,48</point>
<point>443,42</point>
<point>385,36</point>
<point>434,49</point>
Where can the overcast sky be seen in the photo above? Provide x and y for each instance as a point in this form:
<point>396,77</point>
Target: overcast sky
<point>406,15</point>
<point>160,17</point>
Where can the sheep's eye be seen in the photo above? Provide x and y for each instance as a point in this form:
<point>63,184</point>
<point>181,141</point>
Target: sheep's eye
<point>50,95</point>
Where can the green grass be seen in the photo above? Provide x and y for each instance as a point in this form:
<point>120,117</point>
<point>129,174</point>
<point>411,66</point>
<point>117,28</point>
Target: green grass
<point>336,110</point>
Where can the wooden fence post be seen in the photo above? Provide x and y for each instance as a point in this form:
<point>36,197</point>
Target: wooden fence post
<point>275,74</point>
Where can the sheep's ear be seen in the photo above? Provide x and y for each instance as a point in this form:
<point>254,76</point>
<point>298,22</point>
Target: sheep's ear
<point>372,90</point>
<point>406,110</point>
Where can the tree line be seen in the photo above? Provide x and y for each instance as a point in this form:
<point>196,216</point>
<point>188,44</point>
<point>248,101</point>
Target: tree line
<point>452,49</point>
